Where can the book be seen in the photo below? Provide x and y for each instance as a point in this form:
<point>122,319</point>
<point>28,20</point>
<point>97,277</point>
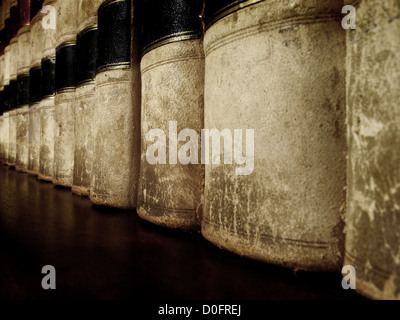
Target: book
<point>13,89</point>
<point>23,67</point>
<point>3,109</point>
<point>85,96</point>
<point>116,161</point>
<point>275,91</point>
<point>373,211</point>
<point>172,70</point>
<point>6,81</point>
<point>64,138</point>
<point>35,73</point>
<point>48,91</point>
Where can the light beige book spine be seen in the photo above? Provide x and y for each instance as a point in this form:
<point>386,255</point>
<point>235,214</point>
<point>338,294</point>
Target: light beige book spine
<point>64,139</point>
<point>2,59</point>
<point>47,106</point>
<point>117,112</point>
<point>34,109</point>
<point>171,187</point>
<point>275,73</point>
<point>2,30</point>
<point>13,83</point>
<point>6,115</point>
<point>2,111</point>
<point>12,152</point>
<point>373,94</point>
<point>85,96</point>
<point>24,60</point>
<point>6,130</point>
<point>2,102</point>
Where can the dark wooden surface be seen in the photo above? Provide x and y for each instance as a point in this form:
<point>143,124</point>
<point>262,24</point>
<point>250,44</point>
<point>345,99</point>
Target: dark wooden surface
<point>107,254</point>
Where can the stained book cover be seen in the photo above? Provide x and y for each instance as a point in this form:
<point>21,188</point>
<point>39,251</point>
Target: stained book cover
<point>373,214</point>
<point>277,192</point>
<point>46,109</point>
<point>85,95</point>
<point>172,72</point>
<point>117,109</point>
<point>65,85</point>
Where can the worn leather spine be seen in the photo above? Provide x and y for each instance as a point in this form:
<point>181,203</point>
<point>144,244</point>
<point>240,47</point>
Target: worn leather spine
<point>3,37</point>
<point>172,70</point>
<point>278,68</point>
<point>373,93</point>
<point>117,112</point>
<point>13,103</point>
<point>24,60</point>
<point>64,139</point>
<point>85,95</point>
<point>6,96</point>
<point>47,96</point>
<point>2,106</point>
<point>35,73</point>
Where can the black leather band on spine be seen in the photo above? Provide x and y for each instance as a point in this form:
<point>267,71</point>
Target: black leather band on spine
<point>86,55</point>
<point>165,21</point>
<point>35,77</point>
<point>48,77</point>
<point>114,35</point>
<point>216,10</point>
<point>13,102</point>
<point>66,67</point>
<point>6,98</point>
<point>23,90</point>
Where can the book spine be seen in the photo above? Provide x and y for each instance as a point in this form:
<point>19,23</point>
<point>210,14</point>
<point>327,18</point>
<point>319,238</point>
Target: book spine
<point>34,89</point>
<point>13,97</point>
<point>85,95</point>
<point>64,139</point>
<point>117,111</point>
<point>2,106</point>
<point>172,71</point>
<point>278,195</point>
<point>6,95</point>
<point>47,103</point>
<point>35,74</point>
<point>373,93</point>
<point>24,60</point>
